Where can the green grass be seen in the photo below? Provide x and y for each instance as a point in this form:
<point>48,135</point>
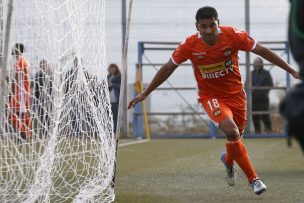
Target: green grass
<point>189,170</point>
<point>75,163</point>
<point>177,170</point>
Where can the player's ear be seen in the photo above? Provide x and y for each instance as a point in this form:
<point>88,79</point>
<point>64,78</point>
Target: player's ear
<point>218,22</point>
<point>196,25</point>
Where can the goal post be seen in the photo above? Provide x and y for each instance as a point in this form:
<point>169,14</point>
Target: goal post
<point>57,142</point>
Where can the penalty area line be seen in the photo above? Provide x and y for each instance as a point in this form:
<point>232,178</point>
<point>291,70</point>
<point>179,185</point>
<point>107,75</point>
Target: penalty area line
<point>131,143</point>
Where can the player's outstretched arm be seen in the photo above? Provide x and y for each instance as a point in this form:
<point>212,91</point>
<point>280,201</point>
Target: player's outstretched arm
<point>164,72</point>
<point>275,59</point>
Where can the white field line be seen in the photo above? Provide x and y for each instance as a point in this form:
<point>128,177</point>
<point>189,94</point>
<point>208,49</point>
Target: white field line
<point>133,142</point>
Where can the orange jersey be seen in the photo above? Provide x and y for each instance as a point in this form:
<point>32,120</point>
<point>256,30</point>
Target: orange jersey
<point>22,66</point>
<point>20,97</point>
<point>215,67</point>
<point>21,85</point>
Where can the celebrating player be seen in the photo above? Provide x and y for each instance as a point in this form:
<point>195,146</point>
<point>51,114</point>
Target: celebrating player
<point>213,51</point>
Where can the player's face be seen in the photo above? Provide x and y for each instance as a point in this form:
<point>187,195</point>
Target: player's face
<point>208,29</point>
<point>43,65</point>
<point>15,52</point>
<point>112,70</point>
<point>257,64</point>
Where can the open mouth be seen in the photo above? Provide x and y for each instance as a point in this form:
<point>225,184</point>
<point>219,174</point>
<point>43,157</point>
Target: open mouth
<point>210,36</point>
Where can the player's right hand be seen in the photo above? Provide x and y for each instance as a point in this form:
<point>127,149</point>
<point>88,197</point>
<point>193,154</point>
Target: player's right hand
<point>297,75</point>
<point>136,99</point>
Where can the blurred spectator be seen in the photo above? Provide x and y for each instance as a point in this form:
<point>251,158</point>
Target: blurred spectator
<point>292,108</point>
<point>260,97</point>
<point>71,102</point>
<point>43,94</point>
<point>20,93</point>
<point>88,94</point>
<point>114,80</point>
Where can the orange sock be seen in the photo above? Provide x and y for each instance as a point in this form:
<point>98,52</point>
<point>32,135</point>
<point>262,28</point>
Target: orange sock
<point>237,151</point>
<point>228,158</point>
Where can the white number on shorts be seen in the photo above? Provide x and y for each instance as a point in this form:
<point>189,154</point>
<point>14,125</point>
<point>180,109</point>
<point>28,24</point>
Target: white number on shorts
<point>213,104</point>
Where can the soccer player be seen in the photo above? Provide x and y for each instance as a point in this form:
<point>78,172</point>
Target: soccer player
<point>20,94</point>
<point>213,51</point>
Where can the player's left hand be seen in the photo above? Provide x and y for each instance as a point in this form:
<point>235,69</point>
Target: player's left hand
<point>296,75</point>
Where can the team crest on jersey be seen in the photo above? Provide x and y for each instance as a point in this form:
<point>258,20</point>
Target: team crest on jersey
<point>217,112</point>
<point>227,52</point>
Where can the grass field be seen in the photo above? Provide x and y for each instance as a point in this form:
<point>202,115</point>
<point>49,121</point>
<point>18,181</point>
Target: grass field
<point>189,170</point>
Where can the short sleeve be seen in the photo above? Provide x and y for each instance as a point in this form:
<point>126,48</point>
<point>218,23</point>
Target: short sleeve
<point>181,54</point>
<point>243,40</point>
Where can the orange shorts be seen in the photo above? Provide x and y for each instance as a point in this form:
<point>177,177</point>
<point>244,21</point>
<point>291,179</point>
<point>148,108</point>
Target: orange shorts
<point>220,108</point>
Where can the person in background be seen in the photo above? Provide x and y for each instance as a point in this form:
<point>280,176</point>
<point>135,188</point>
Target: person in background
<point>20,94</point>
<point>71,88</point>
<point>114,81</point>
<point>43,94</point>
<point>260,97</point>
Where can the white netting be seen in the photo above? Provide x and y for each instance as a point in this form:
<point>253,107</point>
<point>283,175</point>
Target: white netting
<point>57,142</point>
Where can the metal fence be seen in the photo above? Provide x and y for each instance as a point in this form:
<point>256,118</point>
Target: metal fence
<point>190,120</point>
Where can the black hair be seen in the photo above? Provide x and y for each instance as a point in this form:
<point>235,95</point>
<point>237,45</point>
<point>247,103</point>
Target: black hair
<point>20,47</point>
<point>206,12</point>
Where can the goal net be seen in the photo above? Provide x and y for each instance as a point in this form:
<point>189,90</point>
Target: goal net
<point>56,142</point>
